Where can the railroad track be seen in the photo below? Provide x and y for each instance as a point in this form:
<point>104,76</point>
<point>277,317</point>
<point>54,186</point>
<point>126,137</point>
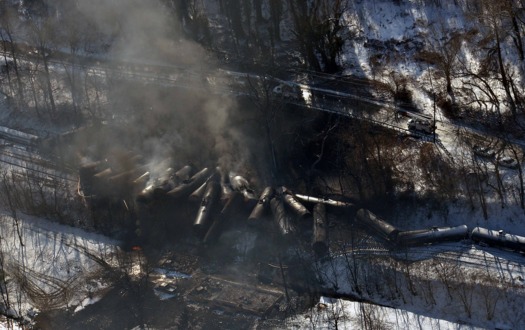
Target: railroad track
<point>481,260</point>
<point>465,252</point>
<point>181,76</point>
<point>22,155</point>
<point>227,82</point>
<point>26,165</point>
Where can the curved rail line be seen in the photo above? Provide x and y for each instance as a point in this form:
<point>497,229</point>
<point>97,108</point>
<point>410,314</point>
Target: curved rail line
<point>40,170</point>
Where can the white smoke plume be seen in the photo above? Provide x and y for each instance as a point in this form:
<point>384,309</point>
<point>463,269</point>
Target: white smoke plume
<point>191,124</point>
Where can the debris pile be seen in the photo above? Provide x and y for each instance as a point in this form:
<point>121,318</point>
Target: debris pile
<point>221,195</point>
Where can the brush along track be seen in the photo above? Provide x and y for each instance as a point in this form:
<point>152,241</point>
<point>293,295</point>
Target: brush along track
<point>55,282</point>
<point>451,253</point>
<point>24,156</point>
<point>57,292</point>
<point>81,249</point>
<point>14,155</point>
<point>36,169</point>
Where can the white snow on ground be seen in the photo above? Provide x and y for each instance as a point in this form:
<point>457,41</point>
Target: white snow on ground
<point>442,285</point>
<point>5,325</point>
<point>383,28</point>
<point>340,314</point>
<point>387,36</point>
<point>86,302</point>
<point>166,281</point>
<point>62,265</point>
<point>62,260</point>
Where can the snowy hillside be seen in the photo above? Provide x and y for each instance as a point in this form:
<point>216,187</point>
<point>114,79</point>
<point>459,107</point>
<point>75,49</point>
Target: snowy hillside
<point>410,109</point>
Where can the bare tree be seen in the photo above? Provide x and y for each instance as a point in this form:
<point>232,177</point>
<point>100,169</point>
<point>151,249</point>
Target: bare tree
<point>445,50</point>
<point>371,317</point>
<point>493,16</point>
<point>73,34</point>
<point>42,34</point>
<point>490,293</point>
<point>234,15</point>
<point>479,81</point>
<point>446,272</point>
<point>261,93</point>
<point>512,9</point>
<point>276,15</point>
<point>475,181</point>
<point>350,258</point>
<point>11,203</point>
<point>318,28</point>
<point>7,15</point>
<point>464,288</point>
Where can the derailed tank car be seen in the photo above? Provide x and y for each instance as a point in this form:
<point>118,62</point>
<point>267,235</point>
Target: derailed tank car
<point>498,238</point>
<point>224,218</point>
<point>299,209</point>
<point>158,188</point>
<point>432,235</point>
<point>283,221</point>
<point>184,173</point>
<point>206,209</point>
<point>261,206</point>
<point>240,184</point>
<point>189,186</point>
<point>326,201</point>
<point>376,226</point>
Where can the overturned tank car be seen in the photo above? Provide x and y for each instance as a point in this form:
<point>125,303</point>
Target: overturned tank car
<point>297,207</point>
<point>188,186</point>
<point>158,188</point>
<point>432,235</point>
<point>262,204</point>
<point>206,209</point>
<point>283,221</point>
<point>376,225</point>
<point>498,238</point>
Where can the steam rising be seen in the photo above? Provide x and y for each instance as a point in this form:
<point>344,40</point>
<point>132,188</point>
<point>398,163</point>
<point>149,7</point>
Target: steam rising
<point>142,30</point>
<point>188,124</point>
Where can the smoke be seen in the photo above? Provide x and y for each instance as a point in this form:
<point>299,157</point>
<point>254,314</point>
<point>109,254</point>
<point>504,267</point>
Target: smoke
<point>190,124</point>
<point>230,144</point>
<point>142,30</point>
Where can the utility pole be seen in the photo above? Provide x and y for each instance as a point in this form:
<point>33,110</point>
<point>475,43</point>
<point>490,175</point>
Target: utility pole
<point>284,279</point>
<point>433,101</point>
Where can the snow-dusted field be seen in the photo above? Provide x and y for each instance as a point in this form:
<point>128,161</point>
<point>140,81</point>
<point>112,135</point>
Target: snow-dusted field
<point>48,265</point>
<point>444,286</point>
<point>332,313</point>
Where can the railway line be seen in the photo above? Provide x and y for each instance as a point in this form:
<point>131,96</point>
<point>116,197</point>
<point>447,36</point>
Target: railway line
<point>327,89</point>
<point>219,81</point>
<point>28,165</point>
<point>234,83</point>
<point>350,91</point>
<point>463,253</point>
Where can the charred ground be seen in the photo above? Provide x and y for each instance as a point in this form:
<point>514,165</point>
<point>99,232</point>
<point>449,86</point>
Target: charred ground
<point>174,129</point>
